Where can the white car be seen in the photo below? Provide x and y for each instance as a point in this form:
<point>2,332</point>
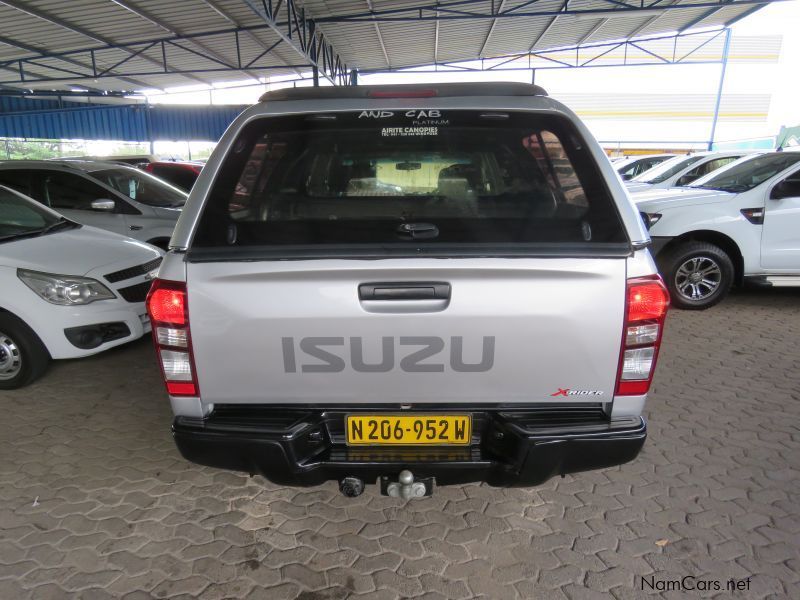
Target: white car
<point>738,224</point>
<point>629,167</point>
<point>682,170</point>
<point>66,290</point>
<point>110,196</point>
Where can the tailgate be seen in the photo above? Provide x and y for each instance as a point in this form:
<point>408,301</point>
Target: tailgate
<point>510,330</point>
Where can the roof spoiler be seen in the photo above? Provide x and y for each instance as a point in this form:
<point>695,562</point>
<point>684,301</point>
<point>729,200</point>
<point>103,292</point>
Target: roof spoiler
<point>438,90</point>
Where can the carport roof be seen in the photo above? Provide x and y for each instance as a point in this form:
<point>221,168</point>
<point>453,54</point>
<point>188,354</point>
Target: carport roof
<point>138,44</point>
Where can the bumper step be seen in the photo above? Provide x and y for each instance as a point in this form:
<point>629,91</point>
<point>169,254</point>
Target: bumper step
<point>510,446</point>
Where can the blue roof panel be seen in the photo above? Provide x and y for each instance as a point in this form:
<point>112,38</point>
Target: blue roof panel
<point>130,123</point>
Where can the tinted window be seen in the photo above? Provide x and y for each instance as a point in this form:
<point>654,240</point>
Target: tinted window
<point>68,190</point>
<point>667,169</point>
<point>19,180</point>
<point>640,166</point>
<point>141,186</point>
<point>749,173</point>
<point>704,169</point>
<point>364,179</point>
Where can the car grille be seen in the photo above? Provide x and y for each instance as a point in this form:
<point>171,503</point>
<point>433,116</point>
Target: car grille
<point>136,293</point>
<point>131,272</point>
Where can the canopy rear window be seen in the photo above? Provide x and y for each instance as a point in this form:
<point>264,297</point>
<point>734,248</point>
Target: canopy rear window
<point>417,182</point>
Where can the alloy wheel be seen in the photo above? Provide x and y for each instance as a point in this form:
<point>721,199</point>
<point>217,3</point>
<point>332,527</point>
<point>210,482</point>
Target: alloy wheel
<point>698,278</point>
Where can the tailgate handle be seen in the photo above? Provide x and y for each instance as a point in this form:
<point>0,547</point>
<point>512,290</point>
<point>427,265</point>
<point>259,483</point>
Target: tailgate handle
<point>404,291</point>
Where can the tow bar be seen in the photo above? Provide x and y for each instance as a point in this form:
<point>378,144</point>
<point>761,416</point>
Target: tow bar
<point>406,487</point>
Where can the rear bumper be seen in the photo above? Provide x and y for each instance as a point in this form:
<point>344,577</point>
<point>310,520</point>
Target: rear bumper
<point>509,447</point>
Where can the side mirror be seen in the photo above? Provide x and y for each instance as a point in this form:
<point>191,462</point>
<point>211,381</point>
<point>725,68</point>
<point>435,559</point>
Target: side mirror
<point>103,204</point>
<point>685,180</point>
<point>626,177</point>
<point>788,188</point>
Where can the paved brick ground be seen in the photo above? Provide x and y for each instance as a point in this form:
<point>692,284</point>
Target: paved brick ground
<point>95,502</point>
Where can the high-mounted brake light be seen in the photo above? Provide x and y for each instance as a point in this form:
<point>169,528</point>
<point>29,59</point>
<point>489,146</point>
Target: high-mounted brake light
<point>646,304</point>
<point>169,316</point>
<point>402,93</point>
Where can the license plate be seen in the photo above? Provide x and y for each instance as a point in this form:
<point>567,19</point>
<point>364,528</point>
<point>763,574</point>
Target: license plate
<point>409,430</point>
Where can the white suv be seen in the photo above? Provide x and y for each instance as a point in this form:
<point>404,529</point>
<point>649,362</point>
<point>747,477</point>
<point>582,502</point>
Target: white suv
<point>682,170</point>
<point>107,195</point>
<point>741,223</point>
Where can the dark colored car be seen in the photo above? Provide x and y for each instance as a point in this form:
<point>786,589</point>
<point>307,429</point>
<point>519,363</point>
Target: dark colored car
<point>180,174</point>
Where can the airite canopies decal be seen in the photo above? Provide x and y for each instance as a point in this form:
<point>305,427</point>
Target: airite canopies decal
<point>408,131</point>
<point>422,122</point>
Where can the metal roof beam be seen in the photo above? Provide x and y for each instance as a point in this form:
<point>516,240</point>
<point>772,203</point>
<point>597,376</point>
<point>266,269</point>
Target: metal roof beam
<point>41,53</point>
<point>649,22</point>
<point>699,19</point>
<point>462,10</point>
<point>491,29</point>
<point>592,31</point>
<point>88,55</point>
<point>601,49</point>
<point>67,94</point>
<point>302,37</point>
<point>746,13</point>
<point>383,45</point>
<point>436,43</point>
<point>161,24</point>
<point>213,5</point>
<point>547,27</point>
<point>53,20</point>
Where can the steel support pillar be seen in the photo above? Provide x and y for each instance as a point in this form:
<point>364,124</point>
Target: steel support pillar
<point>725,49</point>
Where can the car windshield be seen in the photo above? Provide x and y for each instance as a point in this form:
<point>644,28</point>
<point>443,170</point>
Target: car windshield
<point>666,169</point>
<point>141,186</point>
<point>748,173</point>
<point>21,217</point>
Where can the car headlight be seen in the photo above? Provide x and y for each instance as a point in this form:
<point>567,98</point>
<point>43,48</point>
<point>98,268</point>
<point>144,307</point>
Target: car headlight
<point>65,290</point>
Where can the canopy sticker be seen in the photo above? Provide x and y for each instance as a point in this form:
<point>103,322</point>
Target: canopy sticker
<point>408,131</point>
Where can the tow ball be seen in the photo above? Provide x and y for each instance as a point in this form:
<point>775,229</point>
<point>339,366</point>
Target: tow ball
<point>406,486</point>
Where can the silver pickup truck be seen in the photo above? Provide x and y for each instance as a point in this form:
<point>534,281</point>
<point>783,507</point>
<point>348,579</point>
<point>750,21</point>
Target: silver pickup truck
<point>409,286</point>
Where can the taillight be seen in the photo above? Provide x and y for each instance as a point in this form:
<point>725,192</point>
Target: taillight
<point>169,316</point>
<point>646,304</point>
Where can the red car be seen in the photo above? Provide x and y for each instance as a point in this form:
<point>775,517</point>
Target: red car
<point>180,174</point>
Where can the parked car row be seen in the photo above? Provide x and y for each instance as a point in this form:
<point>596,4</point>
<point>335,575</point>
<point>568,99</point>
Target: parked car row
<point>80,242</point>
<point>738,224</point>
<point>682,170</point>
<point>719,219</point>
